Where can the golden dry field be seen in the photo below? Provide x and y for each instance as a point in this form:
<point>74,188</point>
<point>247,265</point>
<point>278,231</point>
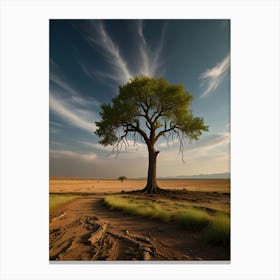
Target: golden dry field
<point>113,186</point>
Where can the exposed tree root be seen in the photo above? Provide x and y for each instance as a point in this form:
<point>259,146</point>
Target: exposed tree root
<point>148,190</point>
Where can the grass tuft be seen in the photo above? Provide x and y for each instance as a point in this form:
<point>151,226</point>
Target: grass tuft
<point>164,216</point>
<point>218,231</point>
<point>193,218</point>
<point>139,208</point>
<point>57,200</point>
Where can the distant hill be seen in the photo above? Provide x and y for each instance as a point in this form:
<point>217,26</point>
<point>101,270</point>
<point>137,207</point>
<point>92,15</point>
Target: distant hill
<point>201,176</point>
<point>63,178</point>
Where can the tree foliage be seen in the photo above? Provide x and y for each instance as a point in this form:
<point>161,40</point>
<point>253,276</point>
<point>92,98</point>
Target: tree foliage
<point>122,178</point>
<point>149,108</point>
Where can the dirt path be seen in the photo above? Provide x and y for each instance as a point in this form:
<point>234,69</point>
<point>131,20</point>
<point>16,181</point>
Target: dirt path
<point>86,230</point>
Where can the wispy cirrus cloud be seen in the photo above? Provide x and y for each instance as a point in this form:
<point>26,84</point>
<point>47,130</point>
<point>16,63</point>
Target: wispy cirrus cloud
<point>111,52</point>
<point>96,146</point>
<point>211,142</point>
<point>72,155</point>
<point>148,60</point>
<point>72,93</point>
<point>67,103</point>
<point>69,113</point>
<point>213,77</point>
<point>145,67</point>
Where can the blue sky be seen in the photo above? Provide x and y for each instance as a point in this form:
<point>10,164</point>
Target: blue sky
<point>89,59</point>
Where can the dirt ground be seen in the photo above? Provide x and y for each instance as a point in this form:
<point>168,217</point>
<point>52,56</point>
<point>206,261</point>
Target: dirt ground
<point>85,229</point>
<point>111,186</point>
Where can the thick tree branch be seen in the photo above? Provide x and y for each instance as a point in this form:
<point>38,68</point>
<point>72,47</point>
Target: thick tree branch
<point>153,115</point>
<point>132,128</point>
<point>146,116</point>
<point>145,110</point>
<point>147,125</point>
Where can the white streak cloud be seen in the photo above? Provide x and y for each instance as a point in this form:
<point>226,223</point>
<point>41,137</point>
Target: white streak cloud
<point>68,113</point>
<point>97,146</point>
<point>211,142</point>
<point>66,102</point>
<point>213,77</point>
<point>112,54</point>
<point>71,92</point>
<point>72,155</point>
<point>149,61</point>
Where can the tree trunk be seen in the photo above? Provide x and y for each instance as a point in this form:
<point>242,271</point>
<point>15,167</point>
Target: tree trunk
<point>152,186</point>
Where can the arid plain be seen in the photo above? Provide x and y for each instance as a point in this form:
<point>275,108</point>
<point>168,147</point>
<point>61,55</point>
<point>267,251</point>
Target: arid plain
<point>86,226</point>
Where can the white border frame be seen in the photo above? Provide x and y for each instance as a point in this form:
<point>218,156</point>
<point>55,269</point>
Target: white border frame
<point>254,146</point>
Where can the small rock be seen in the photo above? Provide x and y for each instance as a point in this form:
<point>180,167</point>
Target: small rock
<point>147,239</point>
<point>127,232</point>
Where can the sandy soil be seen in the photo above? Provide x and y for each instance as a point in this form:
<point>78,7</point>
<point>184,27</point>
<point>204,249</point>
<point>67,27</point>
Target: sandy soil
<point>106,186</point>
<point>86,230</point>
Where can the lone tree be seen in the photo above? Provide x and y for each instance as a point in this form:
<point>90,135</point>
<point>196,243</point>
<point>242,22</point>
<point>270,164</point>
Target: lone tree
<point>122,178</point>
<point>149,108</point>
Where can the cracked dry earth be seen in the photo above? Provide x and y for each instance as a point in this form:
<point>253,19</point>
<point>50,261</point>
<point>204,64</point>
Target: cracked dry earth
<point>87,230</point>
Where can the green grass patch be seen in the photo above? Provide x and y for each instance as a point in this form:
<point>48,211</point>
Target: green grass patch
<point>216,228</point>
<point>192,218</point>
<point>218,231</point>
<point>56,200</point>
<point>139,207</point>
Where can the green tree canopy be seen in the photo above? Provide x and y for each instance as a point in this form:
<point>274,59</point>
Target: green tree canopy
<point>122,178</point>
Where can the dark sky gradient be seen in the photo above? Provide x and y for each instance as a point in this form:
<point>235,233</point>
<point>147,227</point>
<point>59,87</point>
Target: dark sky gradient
<point>89,59</point>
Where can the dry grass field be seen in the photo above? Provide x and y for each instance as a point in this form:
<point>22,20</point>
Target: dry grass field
<point>114,186</point>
